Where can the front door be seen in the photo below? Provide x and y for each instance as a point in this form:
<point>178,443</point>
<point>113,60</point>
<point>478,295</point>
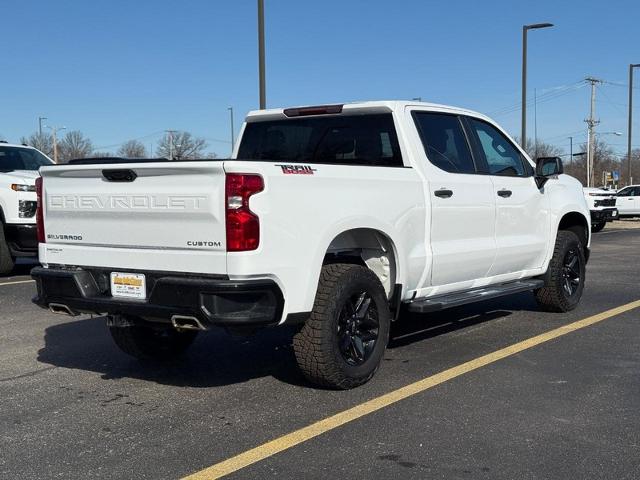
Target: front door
<point>628,201</point>
<point>522,216</point>
<point>462,202</point>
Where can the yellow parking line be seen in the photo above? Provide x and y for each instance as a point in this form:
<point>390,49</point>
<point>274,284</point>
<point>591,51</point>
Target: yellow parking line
<point>297,437</point>
<point>16,282</point>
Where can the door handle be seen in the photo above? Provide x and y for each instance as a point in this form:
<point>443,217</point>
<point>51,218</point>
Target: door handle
<point>443,193</point>
<point>504,193</point>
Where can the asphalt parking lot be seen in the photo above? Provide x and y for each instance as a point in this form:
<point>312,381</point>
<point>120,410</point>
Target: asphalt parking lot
<point>74,406</point>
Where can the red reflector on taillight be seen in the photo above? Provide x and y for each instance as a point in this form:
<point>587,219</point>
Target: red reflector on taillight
<point>243,226</point>
<point>39,215</point>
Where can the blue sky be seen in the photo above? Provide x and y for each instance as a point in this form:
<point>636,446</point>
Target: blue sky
<point>119,69</point>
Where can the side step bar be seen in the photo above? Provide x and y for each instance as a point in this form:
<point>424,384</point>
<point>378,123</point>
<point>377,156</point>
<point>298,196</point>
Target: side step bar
<point>433,304</point>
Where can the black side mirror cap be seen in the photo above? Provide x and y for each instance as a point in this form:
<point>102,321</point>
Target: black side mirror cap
<point>547,167</point>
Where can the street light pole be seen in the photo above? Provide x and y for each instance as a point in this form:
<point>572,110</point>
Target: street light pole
<point>261,68</point>
<point>40,125</point>
<point>525,29</point>
<point>232,134</point>
<point>631,67</point>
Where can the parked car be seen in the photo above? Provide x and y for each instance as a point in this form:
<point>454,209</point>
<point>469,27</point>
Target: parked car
<point>602,207</point>
<point>628,201</point>
<point>19,166</point>
<point>328,217</point>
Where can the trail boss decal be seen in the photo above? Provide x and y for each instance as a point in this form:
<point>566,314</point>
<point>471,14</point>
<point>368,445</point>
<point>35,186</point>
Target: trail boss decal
<point>297,169</point>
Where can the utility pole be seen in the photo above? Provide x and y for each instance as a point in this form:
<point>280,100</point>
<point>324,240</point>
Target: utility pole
<point>631,67</point>
<point>571,150</point>
<point>261,68</point>
<point>525,29</point>
<point>40,125</point>
<point>535,122</point>
<point>591,124</point>
<point>170,134</point>
<point>232,134</point>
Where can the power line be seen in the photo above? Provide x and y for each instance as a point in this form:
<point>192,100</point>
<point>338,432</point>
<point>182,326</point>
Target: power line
<point>550,94</point>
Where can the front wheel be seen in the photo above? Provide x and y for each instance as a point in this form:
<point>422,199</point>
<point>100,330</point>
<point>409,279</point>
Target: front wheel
<point>597,226</point>
<point>342,343</point>
<point>148,342</point>
<point>6,260</point>
<point>564,280</point>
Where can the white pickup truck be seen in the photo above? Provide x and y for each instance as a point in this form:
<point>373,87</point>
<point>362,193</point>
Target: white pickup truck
<point>330,217</point>
<point>19,166</point>
<point>602,206</point>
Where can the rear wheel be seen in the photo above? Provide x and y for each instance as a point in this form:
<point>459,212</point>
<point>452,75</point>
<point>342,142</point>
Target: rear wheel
<point>150,343</point>
<point>564,280</point>
<point>342,343</point>
<point>597,226</point>
<point>6,260</point>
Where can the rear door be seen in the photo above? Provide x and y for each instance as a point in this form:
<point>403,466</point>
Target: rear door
<point>462,202</point>
<point>159,216</point>
<point>522,216</point>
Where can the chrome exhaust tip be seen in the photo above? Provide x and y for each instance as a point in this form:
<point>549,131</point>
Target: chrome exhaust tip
<point>185,322</point>
<point>61,309</point>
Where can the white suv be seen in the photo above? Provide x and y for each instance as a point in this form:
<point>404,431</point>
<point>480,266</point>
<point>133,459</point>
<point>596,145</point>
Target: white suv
<point>19,166</point>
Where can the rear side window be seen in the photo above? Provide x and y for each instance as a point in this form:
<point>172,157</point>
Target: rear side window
<point>444,142</point>
<point>340,139</point>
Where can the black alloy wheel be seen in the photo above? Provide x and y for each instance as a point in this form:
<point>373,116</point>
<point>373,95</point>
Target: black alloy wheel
<point>571,272</point>
<point>358,328</point>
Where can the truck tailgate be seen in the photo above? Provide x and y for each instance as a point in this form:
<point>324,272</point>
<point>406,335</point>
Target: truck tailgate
<point>162,212</point>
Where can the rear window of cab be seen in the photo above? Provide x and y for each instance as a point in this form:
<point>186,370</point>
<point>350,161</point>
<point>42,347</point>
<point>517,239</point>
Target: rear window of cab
<point>367,140</point>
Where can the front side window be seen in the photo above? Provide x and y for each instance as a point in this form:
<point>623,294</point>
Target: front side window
<point>629,192</point>
<point>337,139</point>
<point>444,142</point>
<point>502,156</point>
<point>16,158</point>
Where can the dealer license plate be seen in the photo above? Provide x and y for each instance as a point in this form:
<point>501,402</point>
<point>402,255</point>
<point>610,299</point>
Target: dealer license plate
<point>128,285</point>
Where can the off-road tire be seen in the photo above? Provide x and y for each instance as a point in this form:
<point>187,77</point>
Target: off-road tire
<point>316,345</point>
<point>6,260</point>
<point>597,226</point>
<point>152,343</point>
<point>553,297</point>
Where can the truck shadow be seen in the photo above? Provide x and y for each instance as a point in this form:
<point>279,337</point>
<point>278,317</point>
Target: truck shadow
<point>23,267</point>
<point>217,358</point>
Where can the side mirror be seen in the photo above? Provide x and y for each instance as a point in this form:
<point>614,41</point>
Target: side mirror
<point>547,167</point>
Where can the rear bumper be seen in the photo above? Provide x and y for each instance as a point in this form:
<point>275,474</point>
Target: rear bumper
<point>22,239</point>
<point>604,215</point>
<point>212,300</point>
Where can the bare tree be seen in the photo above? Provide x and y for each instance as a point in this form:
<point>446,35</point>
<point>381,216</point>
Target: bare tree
<point>42,142</point>
<point>74,145</point>
<point>181,145</point>
<point>132,149</point>
<point>541,149</point>
<point>101,154</point>
<point>604,160</point>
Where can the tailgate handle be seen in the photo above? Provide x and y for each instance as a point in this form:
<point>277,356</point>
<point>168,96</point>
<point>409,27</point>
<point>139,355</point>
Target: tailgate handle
<point>120,175</point>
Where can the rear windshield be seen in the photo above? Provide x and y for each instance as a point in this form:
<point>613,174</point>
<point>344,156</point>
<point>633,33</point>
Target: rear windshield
<point>340,139</point>
<point>16,158</point>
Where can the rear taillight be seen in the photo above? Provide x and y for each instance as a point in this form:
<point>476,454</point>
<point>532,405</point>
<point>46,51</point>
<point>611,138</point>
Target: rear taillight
<point>39,216</point>
<point>243,226</point>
